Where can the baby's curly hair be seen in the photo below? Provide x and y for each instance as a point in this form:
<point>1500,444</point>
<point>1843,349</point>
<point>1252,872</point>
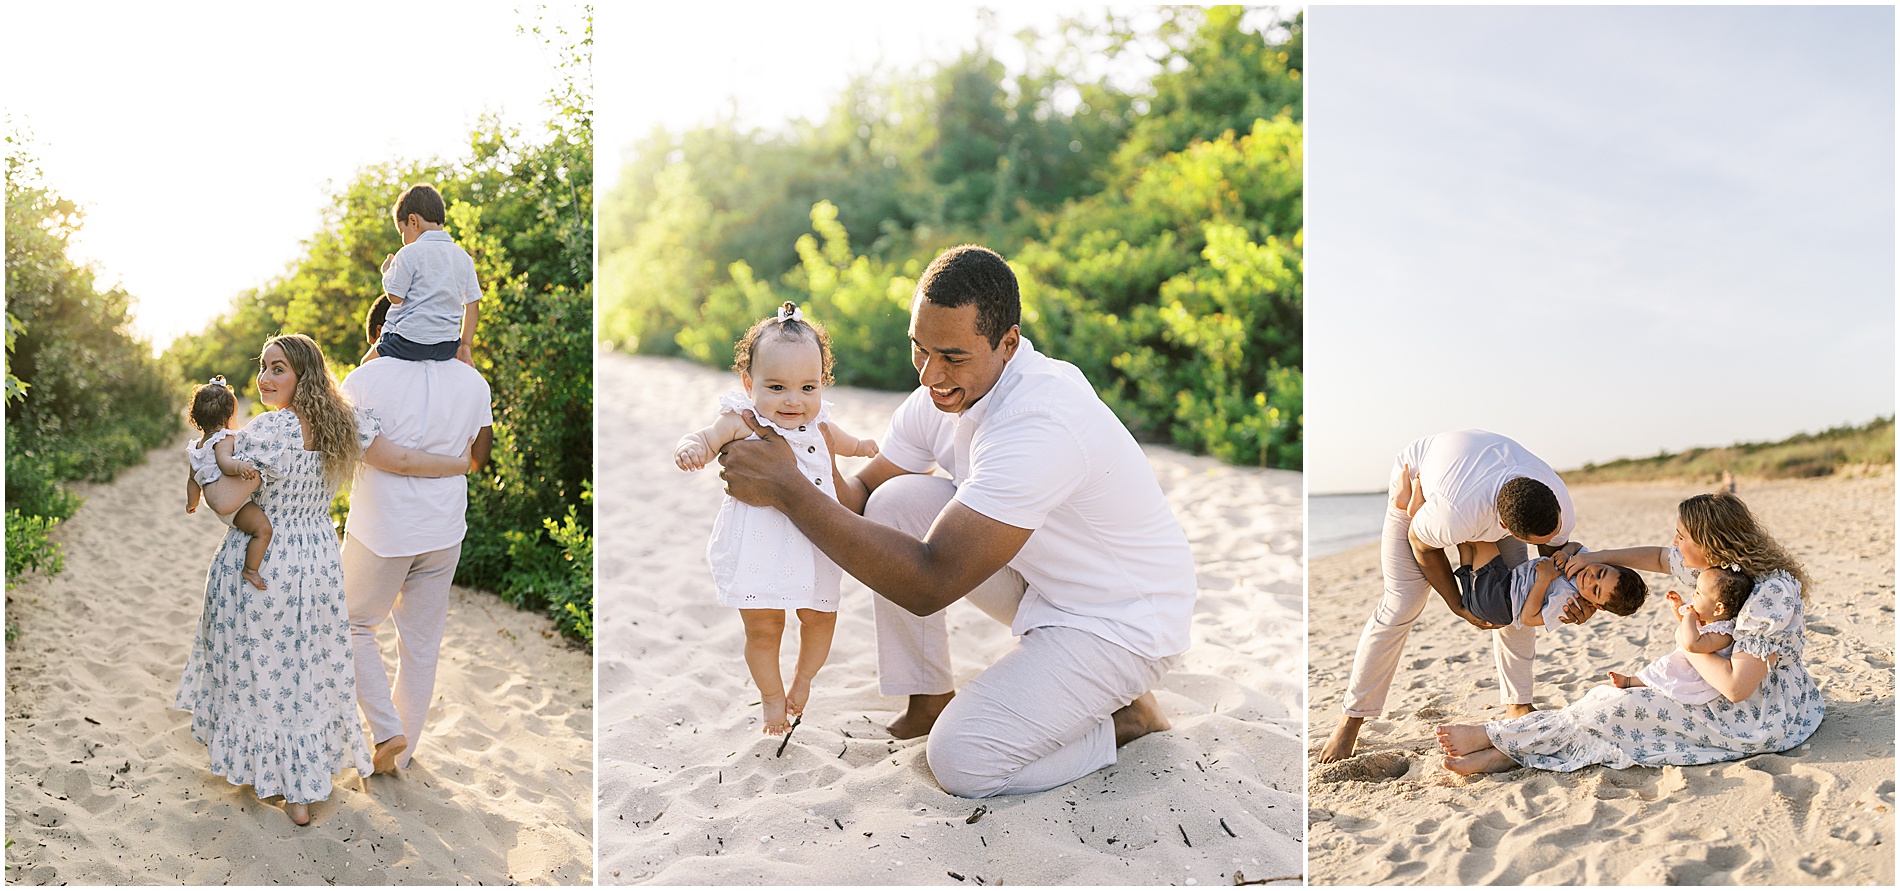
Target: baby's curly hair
<point>783,327</point>
<point>212,405</point>
<point>1732,589</point>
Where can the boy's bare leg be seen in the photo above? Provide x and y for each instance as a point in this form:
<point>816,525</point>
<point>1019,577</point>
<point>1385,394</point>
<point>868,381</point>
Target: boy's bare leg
<point>251,521</point>
<point>1487,761</point>
<point>1339,746</point>
<point>1480,553</point>
<point>814,644</point>
<point>1626,681</point>
<point>763,628</point>
<point>1463,739</point>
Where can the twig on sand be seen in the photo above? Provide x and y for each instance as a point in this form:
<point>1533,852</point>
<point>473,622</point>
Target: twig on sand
<point>1184,834</point>
<point>976,815</point>
<point>1240,879</point>
<point>788,737</point>
<point>1230,831</point>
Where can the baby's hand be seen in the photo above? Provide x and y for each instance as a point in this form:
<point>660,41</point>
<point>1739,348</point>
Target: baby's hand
<point>867,448</point>
<point>690,456</point>
<point>245,471</point>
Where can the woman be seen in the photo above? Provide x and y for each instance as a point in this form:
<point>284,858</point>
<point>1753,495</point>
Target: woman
<point>1768,702</point>
<point>270,683</point>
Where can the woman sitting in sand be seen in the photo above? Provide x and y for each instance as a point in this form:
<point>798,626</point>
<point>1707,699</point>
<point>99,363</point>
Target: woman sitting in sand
<point>1767,702</point>
<point>761,563</point>
<point>270,682</point>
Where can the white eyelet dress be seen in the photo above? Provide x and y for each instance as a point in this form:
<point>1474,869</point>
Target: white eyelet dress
<point>759,559</point>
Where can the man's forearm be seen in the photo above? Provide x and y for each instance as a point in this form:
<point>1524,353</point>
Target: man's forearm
<point>889,561</point>
<point>1437,570</point>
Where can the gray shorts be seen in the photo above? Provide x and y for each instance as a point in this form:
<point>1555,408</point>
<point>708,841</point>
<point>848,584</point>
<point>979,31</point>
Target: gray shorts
<point>1486,593</point>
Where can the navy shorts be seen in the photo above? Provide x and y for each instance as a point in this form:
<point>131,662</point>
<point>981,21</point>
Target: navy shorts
<point>395,346</point>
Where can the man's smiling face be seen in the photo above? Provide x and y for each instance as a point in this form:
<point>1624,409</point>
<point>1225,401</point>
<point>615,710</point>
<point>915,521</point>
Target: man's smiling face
<point>952,359</point>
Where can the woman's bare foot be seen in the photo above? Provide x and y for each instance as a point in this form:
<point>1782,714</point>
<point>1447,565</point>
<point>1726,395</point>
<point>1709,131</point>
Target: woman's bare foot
<point>1138,719</point>
<point>299,812</point>
<point>257,581</point>
<point>384,760</point>
<point>796,697</point>
<point>1625,681</point>
<point>775,723</point>
<point>1463,739</point>
<point>1345,737</point>
<point>919,715</point>
<point>1487,761</point>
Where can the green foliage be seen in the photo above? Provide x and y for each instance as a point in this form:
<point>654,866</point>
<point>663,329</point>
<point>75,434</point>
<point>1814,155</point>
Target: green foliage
<point>522,206</point>
<point>84,397</point>
<point>1801,455</point>
<point>1156,236</point>
<point>554,572</point>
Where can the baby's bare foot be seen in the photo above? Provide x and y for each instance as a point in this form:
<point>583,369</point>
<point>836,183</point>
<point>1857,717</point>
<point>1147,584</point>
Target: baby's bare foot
<point>796,697</point>
<point>255,578</point>
<point>1624,681</point>
<point>775,723</point>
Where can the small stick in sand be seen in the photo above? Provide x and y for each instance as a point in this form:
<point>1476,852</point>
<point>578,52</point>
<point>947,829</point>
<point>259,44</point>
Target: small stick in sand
<point>1184,834</point>
<point>788,737</point>
<point>976,815</point>
<point>1230,832</point>
<point>1240,879</point>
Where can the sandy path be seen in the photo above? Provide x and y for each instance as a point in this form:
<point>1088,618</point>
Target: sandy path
<point>1822,813</point>
<point>692,793</point>
<point>105,785</point>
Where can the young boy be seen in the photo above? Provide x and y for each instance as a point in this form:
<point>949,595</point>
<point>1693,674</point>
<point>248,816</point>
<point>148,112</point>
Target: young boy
<point>430,285</point>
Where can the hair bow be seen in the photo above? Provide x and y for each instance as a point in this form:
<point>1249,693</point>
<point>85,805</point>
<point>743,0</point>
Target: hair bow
<point>790,313</point>
<point>218,380</point>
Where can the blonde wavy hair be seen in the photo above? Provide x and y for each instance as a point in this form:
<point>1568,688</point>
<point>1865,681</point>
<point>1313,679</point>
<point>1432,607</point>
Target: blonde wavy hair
<point>328,417</point>
<point>1728,533</point>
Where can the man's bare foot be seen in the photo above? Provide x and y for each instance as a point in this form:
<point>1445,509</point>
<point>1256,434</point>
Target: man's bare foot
<point>796,697</point>
<point>386,752</point>
<point>775,723</point>
<point>257,581</point>
<point>919,715</point>
<point>1340,745</point>
<point>1487,761</point>
<point>1518,709</point>
<point>1625,681</point>
<point>1138,719</point>
<point>1463,739</point>
<point>299,813</point>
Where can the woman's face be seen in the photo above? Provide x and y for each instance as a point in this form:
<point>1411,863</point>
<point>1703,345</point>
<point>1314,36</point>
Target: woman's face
<point>276,382</point>
<point>1692,554</point>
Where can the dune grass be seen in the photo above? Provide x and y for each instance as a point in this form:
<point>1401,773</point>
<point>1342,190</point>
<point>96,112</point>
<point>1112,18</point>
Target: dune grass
<point>1801,455</point>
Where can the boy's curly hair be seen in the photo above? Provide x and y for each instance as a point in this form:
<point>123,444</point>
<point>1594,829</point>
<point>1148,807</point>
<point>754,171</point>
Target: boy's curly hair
<point>1629,594</point>
<point>788,329</point>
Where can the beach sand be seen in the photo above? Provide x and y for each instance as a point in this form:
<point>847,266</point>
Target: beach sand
<point>692,792</point>
<point>105,785</point>
<point>1819,814</point>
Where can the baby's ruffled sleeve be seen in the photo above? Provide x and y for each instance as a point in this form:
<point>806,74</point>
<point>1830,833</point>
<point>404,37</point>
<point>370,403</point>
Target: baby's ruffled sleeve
<point>1771,622</point>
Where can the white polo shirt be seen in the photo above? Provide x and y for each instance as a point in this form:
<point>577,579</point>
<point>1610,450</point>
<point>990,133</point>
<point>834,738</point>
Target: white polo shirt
<point>434,277</point>
<point>1041,451</point>
<point>1461,473</point>
<point>433,406</point>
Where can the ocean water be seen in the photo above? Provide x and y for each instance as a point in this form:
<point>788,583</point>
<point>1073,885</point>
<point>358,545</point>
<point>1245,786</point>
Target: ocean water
<point>1336,523</point>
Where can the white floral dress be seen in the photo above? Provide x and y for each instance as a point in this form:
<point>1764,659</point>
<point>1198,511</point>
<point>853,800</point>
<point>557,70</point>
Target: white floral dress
<point>759,559</point>
<point>1621,728</point>
<point>270,683</point>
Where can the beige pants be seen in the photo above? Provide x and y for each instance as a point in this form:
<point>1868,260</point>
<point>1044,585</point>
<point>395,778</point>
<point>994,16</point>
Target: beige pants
<point>1513,649</point>
<point>414,591</point>
<point>1035,720</point>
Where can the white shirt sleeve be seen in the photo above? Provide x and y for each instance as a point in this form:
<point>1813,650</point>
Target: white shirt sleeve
<point>907,441</point>
<point>1023,469</point>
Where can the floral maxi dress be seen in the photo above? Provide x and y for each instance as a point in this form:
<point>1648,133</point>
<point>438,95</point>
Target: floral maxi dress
<point>270,683</point>
<point>1625,727</point>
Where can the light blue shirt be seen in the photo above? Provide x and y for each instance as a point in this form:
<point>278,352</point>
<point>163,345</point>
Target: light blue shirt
<point>434,277</point>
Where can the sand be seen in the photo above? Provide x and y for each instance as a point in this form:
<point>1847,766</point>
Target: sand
<point>105,785</point>
<point>693,793</point>
<point>1819,814</point>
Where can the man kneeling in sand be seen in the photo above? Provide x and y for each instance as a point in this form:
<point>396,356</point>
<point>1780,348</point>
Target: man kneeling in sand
<point>1051,521</point>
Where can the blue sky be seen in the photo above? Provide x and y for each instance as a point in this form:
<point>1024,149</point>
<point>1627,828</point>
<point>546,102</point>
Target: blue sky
<point>1603,231</point>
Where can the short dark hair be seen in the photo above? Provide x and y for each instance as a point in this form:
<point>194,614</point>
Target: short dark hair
<point>424,201</point>
<point>1732,589</point>
<point>1630,592</point>
<point>968,274</point>
<point>373,320</point>
<point>1528,508</point>
<point>212,405</point>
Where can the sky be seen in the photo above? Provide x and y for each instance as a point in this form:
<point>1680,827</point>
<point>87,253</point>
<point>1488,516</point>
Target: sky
<point>203,146</point>
<point>680,66</point>
<point>1604,232</point>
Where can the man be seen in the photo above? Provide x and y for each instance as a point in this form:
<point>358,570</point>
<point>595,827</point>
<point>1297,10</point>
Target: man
<point>404,536</point>
<point>1477,486</point>
<point>1051,520</point>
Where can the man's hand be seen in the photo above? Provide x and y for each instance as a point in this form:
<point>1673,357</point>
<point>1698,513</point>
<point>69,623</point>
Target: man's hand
<point>1578,610</point>
<point>755,471</point>
<point>1468,616</point>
